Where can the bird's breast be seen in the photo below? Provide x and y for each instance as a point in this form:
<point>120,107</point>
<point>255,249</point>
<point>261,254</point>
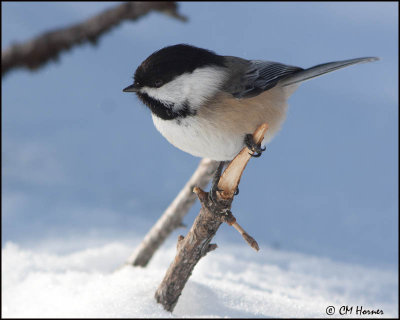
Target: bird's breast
<point>199,137</point>
<point>217,129</point>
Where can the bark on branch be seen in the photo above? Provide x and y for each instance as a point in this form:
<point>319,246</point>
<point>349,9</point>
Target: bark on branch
<point>40,50</point>
<point>173,216</point>
<point>196,244</point>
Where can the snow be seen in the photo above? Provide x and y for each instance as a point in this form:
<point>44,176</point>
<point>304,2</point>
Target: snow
<point>232,281</point>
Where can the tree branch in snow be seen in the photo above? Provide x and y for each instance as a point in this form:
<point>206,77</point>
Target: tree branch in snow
<point>196,244</point>
<point>173,215</point>
<point>38,51</point>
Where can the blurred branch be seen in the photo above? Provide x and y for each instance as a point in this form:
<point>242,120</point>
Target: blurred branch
<point>173,215</point>
<point>196,244</point>
<point>38,51</point>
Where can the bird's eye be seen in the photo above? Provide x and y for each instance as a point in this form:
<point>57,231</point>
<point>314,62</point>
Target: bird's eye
<point>158,83</point>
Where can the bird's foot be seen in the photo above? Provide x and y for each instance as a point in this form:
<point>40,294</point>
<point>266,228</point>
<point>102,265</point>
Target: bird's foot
<point>214,186</point>
<point>256,148</point>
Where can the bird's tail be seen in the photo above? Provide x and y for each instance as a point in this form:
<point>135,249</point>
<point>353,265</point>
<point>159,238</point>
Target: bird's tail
<point>321,69</point>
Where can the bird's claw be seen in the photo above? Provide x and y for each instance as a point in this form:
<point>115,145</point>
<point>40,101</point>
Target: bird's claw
<point>256,148</point>
<point>213,193</point>
<point>214,187</point>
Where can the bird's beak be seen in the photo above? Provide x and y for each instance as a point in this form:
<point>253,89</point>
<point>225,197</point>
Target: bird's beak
<point>131,88</point>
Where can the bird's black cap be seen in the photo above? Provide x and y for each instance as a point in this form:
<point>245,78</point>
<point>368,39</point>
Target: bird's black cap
<point>165,64</point>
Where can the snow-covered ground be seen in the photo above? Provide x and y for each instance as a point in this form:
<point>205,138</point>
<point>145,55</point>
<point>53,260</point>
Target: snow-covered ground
<point>229,282</point>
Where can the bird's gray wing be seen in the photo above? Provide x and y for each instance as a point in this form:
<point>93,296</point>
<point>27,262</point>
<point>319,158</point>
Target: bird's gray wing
<point>256,76</point>
<point>251,77</point>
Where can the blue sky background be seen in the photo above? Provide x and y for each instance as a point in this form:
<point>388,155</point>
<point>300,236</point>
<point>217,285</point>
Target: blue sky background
<point>81,158</point>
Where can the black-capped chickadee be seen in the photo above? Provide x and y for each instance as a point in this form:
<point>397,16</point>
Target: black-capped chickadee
<point>208,105</point>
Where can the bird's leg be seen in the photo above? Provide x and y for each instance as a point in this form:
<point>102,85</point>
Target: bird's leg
<point>214,186</point>
<point>256,148</point>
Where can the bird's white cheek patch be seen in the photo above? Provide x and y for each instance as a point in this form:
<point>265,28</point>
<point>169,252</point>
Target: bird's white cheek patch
<point>194,88</point>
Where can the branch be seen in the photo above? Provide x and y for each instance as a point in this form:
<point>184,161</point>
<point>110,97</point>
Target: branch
<point>38,51</point>
<point>173,215</point>
<point>196,244</point>
<point>231,177</point>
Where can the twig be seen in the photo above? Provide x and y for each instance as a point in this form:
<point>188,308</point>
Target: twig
<point>249,239</point>
<point>38,51</point>
<point>196,244</point>
<point>231,220</point>
<point>173,215</point>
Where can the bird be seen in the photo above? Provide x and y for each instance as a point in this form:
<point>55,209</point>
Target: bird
<point>208,105</point>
